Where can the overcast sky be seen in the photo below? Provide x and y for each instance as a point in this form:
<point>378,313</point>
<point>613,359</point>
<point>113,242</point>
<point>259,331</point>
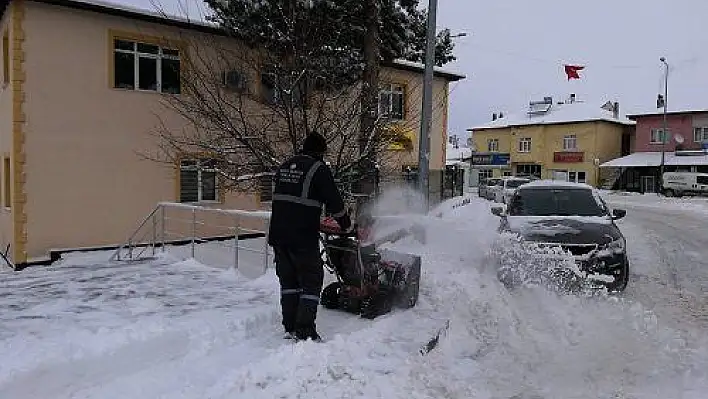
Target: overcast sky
<point>514,52</point>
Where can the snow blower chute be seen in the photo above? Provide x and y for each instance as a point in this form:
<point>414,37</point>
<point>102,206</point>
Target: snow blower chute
<point>370,281</point>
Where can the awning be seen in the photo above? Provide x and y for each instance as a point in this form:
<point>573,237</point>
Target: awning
<point>650,159</point>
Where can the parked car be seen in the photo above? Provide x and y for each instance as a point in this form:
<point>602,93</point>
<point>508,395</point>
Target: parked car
<point>507,189</point>
<point>483,188</point>
<point>574,217</point>
<point>678,184</point>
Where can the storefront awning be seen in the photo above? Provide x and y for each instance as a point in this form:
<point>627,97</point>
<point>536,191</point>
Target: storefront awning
<point>652,159</point>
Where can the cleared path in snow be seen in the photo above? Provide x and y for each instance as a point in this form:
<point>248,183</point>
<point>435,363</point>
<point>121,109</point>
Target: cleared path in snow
<point>668,250</point>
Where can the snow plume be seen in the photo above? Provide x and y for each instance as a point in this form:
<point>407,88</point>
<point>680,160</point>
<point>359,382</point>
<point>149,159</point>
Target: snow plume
<point>522,263</point>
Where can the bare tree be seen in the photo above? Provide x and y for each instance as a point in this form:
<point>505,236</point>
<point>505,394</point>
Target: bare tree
<point>247,112</point>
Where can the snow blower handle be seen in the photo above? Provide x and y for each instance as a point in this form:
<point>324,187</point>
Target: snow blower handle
<point>329,225</point>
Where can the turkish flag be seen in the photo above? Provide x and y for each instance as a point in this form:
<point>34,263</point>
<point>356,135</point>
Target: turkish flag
<point>572,71</point>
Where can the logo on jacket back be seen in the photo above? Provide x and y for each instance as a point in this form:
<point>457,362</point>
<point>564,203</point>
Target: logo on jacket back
<point>293,166</point>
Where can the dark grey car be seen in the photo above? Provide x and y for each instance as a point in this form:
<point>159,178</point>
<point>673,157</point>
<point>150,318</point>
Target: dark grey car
<point>574,217</point>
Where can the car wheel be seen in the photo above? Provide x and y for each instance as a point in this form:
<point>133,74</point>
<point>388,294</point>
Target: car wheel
<point>669,192</point>
<point>620,284</point>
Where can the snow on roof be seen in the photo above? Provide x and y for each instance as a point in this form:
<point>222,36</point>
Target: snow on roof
<point>554,183</point>
<point>578,111</point>
<point>196,17</point>
<point>420,67</point>
<point>639,159</point>
<point>457,154</point>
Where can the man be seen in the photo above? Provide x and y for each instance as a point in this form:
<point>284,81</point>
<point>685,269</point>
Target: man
<point>303,184</point>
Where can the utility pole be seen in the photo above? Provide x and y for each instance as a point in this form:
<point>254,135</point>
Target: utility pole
<point>665,125</point>
<point>369,105</point>
<point>427,114</point>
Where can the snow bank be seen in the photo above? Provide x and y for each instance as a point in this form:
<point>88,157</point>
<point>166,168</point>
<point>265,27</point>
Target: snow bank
<point>182,330</point>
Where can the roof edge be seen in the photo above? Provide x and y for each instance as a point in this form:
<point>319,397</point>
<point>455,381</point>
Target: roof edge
<point>624,123</point>
<point>680,112</point>
<point>104,7</point>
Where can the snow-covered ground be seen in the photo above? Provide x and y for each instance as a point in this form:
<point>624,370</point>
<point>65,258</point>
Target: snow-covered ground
<point>172,328</point>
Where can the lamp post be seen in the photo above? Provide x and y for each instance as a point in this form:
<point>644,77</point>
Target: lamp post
<point>665,124</point>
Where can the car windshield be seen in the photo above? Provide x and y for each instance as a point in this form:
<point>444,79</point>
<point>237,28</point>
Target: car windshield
<point>515,183</point>
<point>555,202</point>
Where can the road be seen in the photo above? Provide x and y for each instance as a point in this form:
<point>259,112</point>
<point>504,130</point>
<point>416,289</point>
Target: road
<point>668,250</point>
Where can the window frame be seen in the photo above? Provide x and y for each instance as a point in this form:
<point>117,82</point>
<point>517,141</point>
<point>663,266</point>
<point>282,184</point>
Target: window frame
<point>522,148</point>
<point>6,64</point>
<point>493,148</point>
<point>162,46</point>
<point>569,139</point>
<point>391,89</point>
<point>703,133</point>
<point>198,160</point>
<point>659,130</point>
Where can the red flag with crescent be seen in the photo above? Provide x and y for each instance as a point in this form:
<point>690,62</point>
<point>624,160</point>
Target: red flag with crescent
<point>572,71</point>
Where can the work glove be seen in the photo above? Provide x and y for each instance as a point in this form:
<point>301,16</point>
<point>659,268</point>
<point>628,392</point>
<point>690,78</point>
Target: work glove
<point>345,222</point>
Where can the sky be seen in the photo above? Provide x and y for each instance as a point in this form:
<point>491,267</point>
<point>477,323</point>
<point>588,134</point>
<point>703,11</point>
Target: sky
<point>515,50</point>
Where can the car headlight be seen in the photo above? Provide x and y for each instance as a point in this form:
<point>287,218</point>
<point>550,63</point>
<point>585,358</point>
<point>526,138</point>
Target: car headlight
<point>617,246</point>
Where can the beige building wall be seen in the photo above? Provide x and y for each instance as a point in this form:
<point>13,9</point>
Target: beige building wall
<point>80,179</point>
<point>6,101</point>
<point>87,183</point>
<point>596,140</point>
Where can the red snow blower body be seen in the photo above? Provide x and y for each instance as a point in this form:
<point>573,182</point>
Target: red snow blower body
<point>370,281</point>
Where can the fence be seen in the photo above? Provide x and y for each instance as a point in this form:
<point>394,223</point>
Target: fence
<point>218,237</point>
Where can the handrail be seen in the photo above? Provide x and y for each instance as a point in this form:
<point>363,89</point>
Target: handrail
<point>116,254</point>
<point>155,234</point>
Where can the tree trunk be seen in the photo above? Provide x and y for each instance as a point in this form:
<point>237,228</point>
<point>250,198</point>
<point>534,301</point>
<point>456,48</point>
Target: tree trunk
<point>369,103</point>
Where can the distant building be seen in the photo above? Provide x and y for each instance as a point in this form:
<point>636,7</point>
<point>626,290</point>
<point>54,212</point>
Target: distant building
<point>684,145</point>
<point>564,140</point>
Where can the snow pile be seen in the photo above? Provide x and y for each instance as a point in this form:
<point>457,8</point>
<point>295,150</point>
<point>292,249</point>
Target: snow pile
<point>182,330</point>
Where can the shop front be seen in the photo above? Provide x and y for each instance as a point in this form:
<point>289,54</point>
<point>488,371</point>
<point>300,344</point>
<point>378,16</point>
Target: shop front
<point>569,166</point>
<point>488,164</point>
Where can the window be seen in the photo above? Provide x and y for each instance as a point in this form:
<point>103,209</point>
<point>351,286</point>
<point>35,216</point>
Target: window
<point>274,88</point>
<point>7,182</point>
<point>528,170</point>
<point>391,101</point>
<point>700,134</point>
<point>525,144</point>
<point>265,187</point>
<point>5,58</point>
<point>702,180</point>
<point>485,174</point>
<point>570,142</point>
<point>493,145</point>
<point>197,180</point>
<point>142,66</point>
<point>576,177</point>
<point>658,136</point>
<point>506,173</point>
<point>555,201</point>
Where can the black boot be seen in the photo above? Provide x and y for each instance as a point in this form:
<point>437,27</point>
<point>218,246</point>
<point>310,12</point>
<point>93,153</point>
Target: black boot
<point>305,333</point>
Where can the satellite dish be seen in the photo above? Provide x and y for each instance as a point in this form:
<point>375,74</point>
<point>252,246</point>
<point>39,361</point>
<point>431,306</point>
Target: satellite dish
<point>678,138</point>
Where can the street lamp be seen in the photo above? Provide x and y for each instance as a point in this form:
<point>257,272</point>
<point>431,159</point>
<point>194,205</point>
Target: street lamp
<point>461,34</point>
<point>665,124</point>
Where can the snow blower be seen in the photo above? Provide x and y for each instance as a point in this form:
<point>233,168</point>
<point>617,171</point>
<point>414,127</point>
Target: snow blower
<point>370,281</point>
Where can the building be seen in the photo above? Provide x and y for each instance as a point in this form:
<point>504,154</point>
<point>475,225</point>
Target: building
<point>684,149</point>
<point>73,123</point>
<point>565,140</point>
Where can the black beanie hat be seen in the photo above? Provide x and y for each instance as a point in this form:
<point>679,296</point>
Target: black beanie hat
<point>315,143</point>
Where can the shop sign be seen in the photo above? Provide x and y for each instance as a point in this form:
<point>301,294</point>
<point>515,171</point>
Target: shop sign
<point>491,158</point>
<point>568,157</point>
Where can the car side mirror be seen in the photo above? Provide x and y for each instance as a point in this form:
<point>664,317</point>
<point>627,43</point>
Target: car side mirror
<point>498,211</point>
<point>618,214</point>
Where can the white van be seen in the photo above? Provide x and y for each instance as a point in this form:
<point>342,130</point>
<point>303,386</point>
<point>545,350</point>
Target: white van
<point>677,184</point>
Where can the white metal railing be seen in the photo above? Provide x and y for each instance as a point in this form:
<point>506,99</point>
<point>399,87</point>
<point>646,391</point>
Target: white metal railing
<point>189,226</point>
